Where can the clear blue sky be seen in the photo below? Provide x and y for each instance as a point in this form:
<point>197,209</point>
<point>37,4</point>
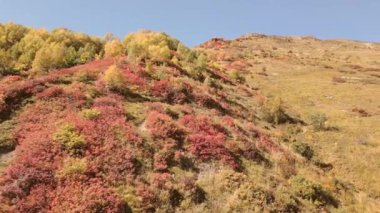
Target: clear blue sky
<point>195,21</point>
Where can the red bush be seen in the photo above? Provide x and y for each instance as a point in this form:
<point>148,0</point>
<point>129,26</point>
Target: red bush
<point>162,126</point>
<point>11,79</point>
<point>201,124</point>
<point>268,145</point>
<point>50,92</point>
<point>86,196</point>
<point>205,100</point>
<point>132,77</point>
<point>172,92</point>
<point>161,180</point>
<point>160,87</point>
<point>37,201</point>
<point>147,197</point>
<point>229,121</point>
<point>37,157</point>
<point>206,140</point>
<point>114,162</point>
<point>160,161</point>
<point>110,159</point>
<point>109,140</point>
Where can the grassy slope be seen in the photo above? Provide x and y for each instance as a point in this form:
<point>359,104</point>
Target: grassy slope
<point>303,79</point>
<point>225,119</point>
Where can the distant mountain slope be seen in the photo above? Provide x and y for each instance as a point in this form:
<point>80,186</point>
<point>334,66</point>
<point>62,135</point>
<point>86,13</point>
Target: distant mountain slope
<point>256,124</point>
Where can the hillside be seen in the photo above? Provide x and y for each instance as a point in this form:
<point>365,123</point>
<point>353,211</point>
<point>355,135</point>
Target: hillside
<point>145,124</point>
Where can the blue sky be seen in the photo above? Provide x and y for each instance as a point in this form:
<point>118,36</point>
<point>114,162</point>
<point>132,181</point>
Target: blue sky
<point>195,21</point>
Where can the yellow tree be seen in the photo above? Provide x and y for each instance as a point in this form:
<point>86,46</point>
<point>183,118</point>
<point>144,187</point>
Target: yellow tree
<point>113,48</point>
<point>114,79</point>
<point>49,57</point>
<point>5,62</point>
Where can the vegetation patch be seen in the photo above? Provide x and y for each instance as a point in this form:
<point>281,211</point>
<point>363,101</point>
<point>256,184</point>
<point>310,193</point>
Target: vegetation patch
<point>70,139</point>
<point>7,139</point>
<point>72,166</point>
<point>90,113</point>
<point>303,149</point>
<point>312,192</point>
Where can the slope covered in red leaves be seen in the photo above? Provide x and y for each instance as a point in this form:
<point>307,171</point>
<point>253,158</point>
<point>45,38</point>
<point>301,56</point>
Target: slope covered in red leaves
<point>183,128</point>
<point>153,134</point>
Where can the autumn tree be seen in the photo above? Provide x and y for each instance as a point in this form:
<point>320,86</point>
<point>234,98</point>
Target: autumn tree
<point>10,34</point>
<point>24,48</point>
<point>5,62</point>
<point>113,48</point>
<point>25,51</point>
<point>148,45</point>
<point>50,56</point>
<point>114,79</point>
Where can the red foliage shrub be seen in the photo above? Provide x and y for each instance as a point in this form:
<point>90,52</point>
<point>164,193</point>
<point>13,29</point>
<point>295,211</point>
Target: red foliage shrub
<point>162,126</point>
<point>147,197</point>
<point>16,92</point>
<point>160,161</point>
<point>109,140</point>
<point>132,77</point>
<point>160,87</point>
<point>229,121</point>
<point>50,92</point>
<point>110,160</point>
<point>86,196</point>
<point>69,97</point>
<point>171,92</point>
<point>161,180</point>
<point>206,140</point>
<point>32,171</point>
<point>29,184</point>
<point>268,145</point>
<point>11,79</point>
<point>37,201</point>
<point>201,124</point>
<point>178,156</point>
<point>205,100</point>
<point>114,163</point>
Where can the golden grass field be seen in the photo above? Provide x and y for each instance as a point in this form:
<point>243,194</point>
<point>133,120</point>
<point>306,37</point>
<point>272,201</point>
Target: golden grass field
<point>340,79</point>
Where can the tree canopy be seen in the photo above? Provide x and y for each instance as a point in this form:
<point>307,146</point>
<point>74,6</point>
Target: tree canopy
<point>23,48</point>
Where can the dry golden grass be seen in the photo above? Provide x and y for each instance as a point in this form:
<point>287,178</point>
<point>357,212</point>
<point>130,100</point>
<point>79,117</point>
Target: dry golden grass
<point>303,72</point>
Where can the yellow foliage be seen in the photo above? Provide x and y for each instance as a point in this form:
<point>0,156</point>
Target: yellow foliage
<point>159,52</point>
<point>70,139</point>
<point>72,166</point>
<point>50,56</point>
<point>5,62</point>
<point>150,45</point>
<point>113,48</point>
<point>42,50</point>
<point>113,78</point>
<point>10,34</point>
<point>90,113</point>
